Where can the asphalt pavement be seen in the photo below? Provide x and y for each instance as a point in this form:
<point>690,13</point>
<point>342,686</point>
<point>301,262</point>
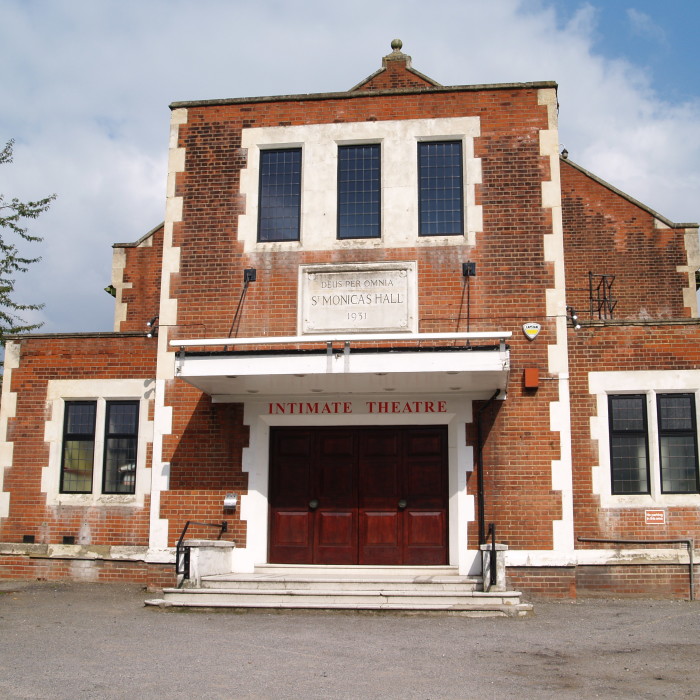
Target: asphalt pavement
<point>75,641</point>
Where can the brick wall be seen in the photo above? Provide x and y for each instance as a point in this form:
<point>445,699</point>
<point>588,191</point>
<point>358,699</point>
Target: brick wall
<point>103,356</point>
<point>608,234</point>
<point>508,253</point>
<point>543,582</point>
<point>604,233</point>
<point>204,451</point>
<point>154,576</point>
<point>613,348</point>
<point>611,581</point>
<point>509,288</point>
<point>141,278</point>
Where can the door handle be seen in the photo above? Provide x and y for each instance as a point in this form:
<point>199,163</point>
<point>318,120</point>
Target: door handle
<point>313,503</point>
<point>402,503</point>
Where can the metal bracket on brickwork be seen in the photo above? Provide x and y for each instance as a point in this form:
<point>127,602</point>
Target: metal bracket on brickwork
<point>600,298</point>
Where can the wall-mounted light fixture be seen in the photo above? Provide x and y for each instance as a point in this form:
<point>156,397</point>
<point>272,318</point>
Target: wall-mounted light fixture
<point>152,326</point>
<point>469,269</point>
<point>572,317</point>
<point>230,501</point>
<point>111,289</point>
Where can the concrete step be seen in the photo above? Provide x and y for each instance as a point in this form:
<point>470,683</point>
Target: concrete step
<point>355,570</point>
<point>333,595</point>
<point>310,581</point>
<point>427,589</point>
<point>497,604</point>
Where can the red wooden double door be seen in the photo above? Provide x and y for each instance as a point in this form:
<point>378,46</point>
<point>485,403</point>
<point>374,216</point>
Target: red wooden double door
<point>358,495</point>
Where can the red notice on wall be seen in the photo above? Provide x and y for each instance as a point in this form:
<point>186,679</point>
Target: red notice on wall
<point>655,517</point>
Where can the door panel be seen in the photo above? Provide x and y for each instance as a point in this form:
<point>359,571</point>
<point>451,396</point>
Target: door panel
<point>358,495</point>
<point>291,528</point>
<point>425,516</point>
<point>380,538</point>
<point>380,485</point>
<point>336,538</point>
<point>336,493</point>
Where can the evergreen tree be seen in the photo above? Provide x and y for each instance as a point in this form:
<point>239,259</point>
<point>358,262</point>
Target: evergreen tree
<point>13,214</point>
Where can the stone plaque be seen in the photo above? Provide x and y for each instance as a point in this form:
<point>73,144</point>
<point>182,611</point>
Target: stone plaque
<point>359,298</point>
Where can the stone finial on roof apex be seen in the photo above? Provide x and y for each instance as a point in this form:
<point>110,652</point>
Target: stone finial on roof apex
<point>396,73</point>
<point>396,54</point>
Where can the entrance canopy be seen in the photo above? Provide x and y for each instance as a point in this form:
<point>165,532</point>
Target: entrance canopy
<point>473,363</point>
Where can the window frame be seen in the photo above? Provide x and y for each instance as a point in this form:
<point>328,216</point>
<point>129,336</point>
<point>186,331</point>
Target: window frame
<point>656,494</point>
<point>376,189</point>
<point>670,432</point>
<point>133,436</point>
<point>77,437</point>
<point>99,438</point>
<point>422,147</point>
<point>616,433</point>
<point>265,234</point>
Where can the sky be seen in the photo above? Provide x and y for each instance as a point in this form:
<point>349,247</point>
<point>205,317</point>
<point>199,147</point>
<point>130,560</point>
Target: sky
<point>85,88</point>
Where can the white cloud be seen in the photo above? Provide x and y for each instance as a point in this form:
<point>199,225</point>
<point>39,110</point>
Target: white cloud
<point>86,87</point>
<point>643,26</point>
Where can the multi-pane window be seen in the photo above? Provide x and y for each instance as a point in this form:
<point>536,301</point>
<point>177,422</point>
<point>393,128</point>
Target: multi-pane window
<point>78,447</point>
<point>440,188</point>
<point>629,450</point>
<point>677,442</point>
<point>118,444</point>
<point>280,195</point>
<point>359,186</point>
<point>121,436</point>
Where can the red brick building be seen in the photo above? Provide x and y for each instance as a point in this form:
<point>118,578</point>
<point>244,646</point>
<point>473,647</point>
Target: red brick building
<point>384,319</point>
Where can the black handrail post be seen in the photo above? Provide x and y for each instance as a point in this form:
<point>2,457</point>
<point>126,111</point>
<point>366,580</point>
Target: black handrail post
<point>222,526</point>
<point>493,572</point>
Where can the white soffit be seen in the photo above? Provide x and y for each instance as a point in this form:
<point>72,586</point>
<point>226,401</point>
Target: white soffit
<point>231,377</point>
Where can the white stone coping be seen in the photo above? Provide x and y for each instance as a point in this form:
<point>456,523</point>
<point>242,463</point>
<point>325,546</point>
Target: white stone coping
<point>597,557</point>
<point>74,551</point>
<point>208,543</point>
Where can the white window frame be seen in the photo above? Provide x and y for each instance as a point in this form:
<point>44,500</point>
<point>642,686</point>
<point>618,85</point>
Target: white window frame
<point>101,391</point>
<point>399,178</point>
<point>649,384</point>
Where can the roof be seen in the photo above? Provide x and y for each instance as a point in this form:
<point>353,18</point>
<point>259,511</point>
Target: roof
<point>395,77</point>
<point>624,195</point>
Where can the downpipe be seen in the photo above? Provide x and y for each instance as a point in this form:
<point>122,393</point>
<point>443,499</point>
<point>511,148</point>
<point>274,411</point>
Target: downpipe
<point>480,468</point>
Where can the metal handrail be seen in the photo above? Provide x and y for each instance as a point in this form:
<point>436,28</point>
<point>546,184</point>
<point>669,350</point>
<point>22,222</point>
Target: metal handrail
<point>183,552</point>
<point>688,542</point>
